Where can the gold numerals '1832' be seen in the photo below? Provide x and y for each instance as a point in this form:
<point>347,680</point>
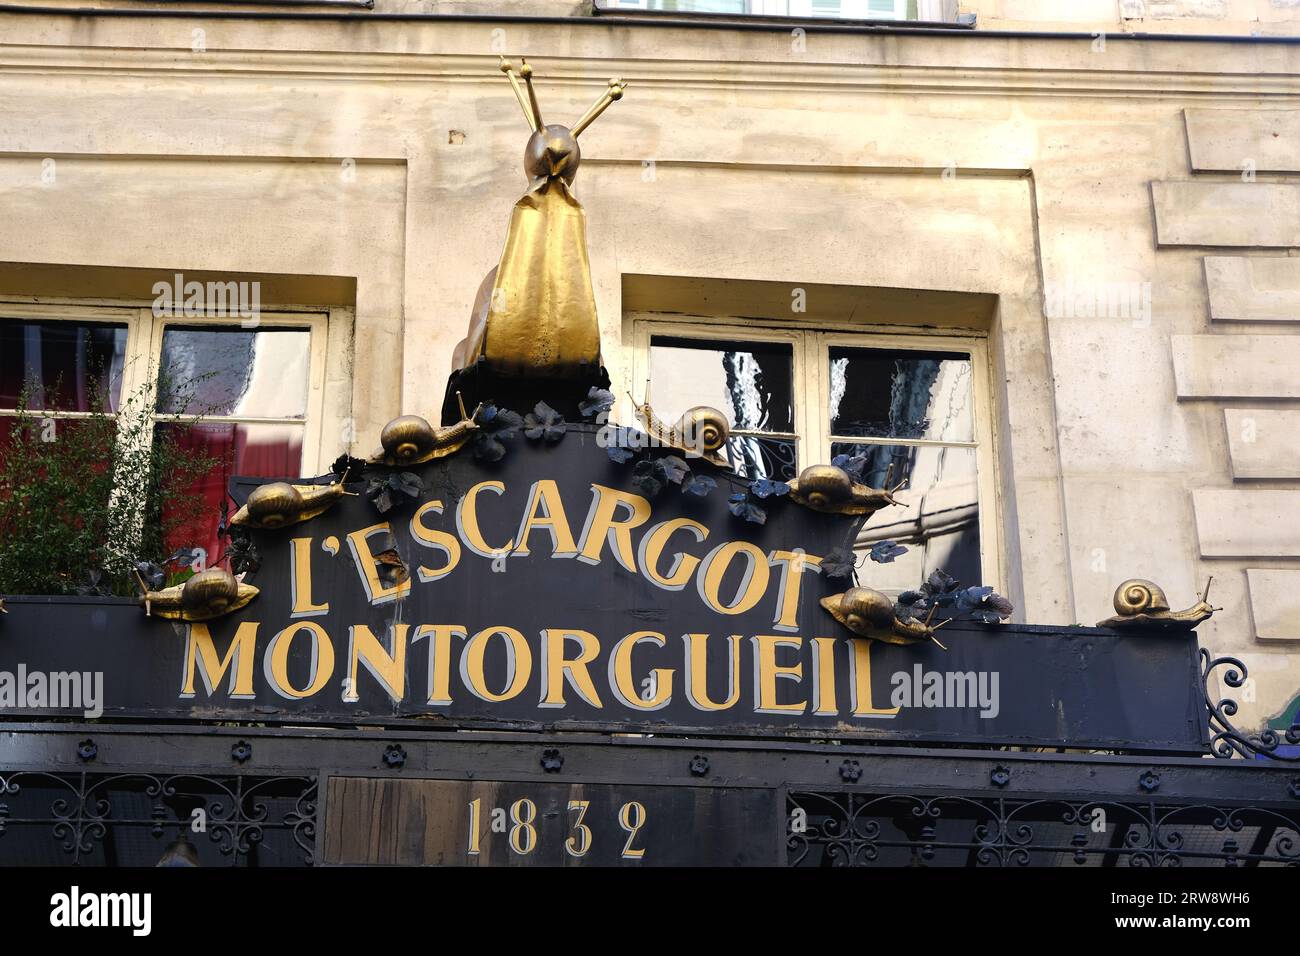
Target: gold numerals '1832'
<point>484,822</point>
<point>518,823</point>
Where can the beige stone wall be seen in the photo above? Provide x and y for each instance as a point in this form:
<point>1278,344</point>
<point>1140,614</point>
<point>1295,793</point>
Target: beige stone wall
<point>1015,168</point>
<point>1264,17</point>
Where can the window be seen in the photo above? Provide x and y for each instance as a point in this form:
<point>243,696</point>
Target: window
<point>259,389</point>
<point>837,9</point>
<point>915,406</point>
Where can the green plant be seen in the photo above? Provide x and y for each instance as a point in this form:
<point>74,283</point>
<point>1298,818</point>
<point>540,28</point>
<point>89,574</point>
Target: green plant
<point>83,499</point>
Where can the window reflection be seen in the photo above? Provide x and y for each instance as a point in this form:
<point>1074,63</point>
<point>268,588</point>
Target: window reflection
<point>937,518</point>
<point>259,373</point>
<point>68,366</point>
<point>887,393</point>
<point>751,382</point>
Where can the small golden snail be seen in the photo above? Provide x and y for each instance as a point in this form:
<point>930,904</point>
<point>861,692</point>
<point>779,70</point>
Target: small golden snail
<point>869,613</point>
<point>829,489</point>
<point>411,440</point>
<point>1142,605</point>
<point>278,503</point>
<point>206,595</point>
<point>704,429</point>
<point>701,432</point>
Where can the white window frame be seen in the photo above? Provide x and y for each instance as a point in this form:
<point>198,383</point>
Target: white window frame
<point>317,323</point>
<point>144,353</point>
<point>811,343</point>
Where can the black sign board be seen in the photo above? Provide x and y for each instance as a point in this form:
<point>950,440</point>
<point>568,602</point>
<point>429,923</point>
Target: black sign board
<point>546,591</point>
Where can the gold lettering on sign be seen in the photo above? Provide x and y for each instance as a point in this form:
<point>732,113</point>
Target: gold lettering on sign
<point>602,525</point>
<point>860,681</point>
<point>697,673</point>
<point>300,568</point>
<point>752,585</point>
<point>201,657</point>
<point>624,684</point>
<point>652,548</point>
<point>439,659</point>
<point>467,520</point>
<point>376,591</point>
<point>389,668</point>
<point>556,669</point>
<point>545,496</point>
<point>767,672</point>
<point>277,660</point>
<point>793,564</point>
<point>824,704</point>
<point>519,664</point>
<point>448,544</point>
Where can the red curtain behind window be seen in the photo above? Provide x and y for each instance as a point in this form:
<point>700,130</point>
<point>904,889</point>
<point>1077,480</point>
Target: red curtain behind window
<point>261,451</point>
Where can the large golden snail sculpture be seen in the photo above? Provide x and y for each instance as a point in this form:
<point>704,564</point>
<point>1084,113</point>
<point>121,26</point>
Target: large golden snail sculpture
<point>829,489</point>
<point>279,504</point>
<point>869,613</point>
<point>411,440</point>
<point>701,432</point>
<point>1142,605</point>
<point>206,595</point>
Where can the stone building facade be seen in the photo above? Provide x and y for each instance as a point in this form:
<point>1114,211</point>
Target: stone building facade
<point>1097,200</point>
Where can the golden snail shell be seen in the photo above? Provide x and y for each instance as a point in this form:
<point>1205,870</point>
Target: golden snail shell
<point>210,591</point>
<point>1139,597</point>
<point>866,609</point>
<point>274,505</point>
<point>703,429</point>
<point>407,438</point>
<point>825,485</point>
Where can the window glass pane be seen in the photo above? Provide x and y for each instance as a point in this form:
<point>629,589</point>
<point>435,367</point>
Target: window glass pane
<point>937,518</point>
<point>71,366</point>
<point>260,373</point>
<point>753,456</point>
<point>891,393</point>
<point>751,382</point>
<point>264,451</point>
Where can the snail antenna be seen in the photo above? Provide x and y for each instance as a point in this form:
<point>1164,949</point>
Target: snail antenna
<point>615,92</point>
<point>1205,596</point>
<point>937,641</point>
<point>508,69</point>
<point>144,592</point>
<point>929,617</point>
<point>460,400</point>
<point>526,72</point>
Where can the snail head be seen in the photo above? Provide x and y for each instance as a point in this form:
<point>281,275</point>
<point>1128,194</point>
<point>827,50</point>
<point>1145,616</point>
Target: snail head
<point>552,151</point>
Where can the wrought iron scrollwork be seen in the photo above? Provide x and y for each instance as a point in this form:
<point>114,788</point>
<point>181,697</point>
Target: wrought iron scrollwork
<point>762,456</point>
<point>1227,740</point>
<point>94,818</point>
<point>856,829</point>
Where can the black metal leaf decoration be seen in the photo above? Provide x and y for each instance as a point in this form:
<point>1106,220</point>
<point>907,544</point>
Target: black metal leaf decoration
<point>767,488</point>
<point>675,469</point>
<point>742,507</point>
<point>839,563</point>
<point>649,476</point>
<point>544,422</point>
<point>884,552</point>
<point>598,402</point>
<point>698,485</point>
